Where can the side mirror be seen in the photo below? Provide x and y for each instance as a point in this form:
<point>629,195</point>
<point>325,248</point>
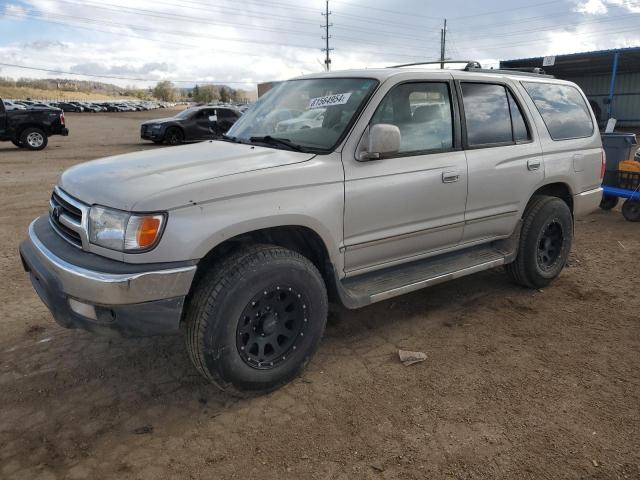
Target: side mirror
<point>384,139</point>
<point>213,118</point>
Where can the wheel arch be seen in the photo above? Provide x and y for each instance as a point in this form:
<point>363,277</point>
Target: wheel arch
<point>560,190</point>
<point>300,238</point>
<point>23,126</point>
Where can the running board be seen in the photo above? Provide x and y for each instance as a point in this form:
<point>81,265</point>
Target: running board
<point>382,284</point>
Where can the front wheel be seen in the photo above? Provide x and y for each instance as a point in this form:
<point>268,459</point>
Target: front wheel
<point>255,319</point>
<point>545,242</point>
<point>174,136</point>
<point>631,210</point>
<point>34,139</point>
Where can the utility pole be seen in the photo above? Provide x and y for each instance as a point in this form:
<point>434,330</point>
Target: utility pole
<point>327,60</point>
<point>443,43</point>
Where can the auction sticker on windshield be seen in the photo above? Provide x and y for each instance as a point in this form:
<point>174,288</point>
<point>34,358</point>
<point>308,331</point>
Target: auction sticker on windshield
<point>329,100</point>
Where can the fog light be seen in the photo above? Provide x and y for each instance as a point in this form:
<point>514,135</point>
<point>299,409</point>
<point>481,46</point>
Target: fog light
<point>83,309</point>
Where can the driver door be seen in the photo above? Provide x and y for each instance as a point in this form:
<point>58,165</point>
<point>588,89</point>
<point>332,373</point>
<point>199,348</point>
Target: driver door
<point>204,126</point>
<point>412,203</point>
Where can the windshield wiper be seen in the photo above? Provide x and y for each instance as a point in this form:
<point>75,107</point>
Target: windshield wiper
<point>230,139</point>
<point>278,141</point>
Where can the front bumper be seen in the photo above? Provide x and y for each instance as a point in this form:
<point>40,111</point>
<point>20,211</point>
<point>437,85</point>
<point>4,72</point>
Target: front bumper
<point>150,134</point>
<point>586,202</point>
<point>83,290</point>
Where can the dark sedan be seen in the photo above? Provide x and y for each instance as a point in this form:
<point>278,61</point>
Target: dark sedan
<point>198,123</point>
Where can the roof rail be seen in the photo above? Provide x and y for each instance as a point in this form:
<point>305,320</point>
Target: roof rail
<point>525,71</point>
<point>469,64</point>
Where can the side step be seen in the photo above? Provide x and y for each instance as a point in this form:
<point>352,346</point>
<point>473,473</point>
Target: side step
<point>382,284</point>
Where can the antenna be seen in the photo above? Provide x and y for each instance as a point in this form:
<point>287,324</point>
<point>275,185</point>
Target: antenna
<point>327,60</point>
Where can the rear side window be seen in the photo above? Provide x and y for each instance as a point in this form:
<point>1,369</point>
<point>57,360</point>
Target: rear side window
<point>562,108</point>
<point>487,115</point>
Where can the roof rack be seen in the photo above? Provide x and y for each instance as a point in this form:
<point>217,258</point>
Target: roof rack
<point>474,66</point>
<point>469,64</point>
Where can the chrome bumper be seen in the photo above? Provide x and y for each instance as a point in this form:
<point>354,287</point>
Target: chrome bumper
<point>110,288</point>
<point>586,202</point>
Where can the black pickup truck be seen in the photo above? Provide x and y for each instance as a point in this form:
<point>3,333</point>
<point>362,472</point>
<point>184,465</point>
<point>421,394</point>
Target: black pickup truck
<point>31,128</point>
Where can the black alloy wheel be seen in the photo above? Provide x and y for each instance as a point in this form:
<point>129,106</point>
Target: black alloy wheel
<point>270,326</point>
<point>550,245</point>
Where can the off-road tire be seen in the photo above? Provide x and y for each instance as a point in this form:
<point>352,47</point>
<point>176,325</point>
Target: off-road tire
<point>608,202</point>
<point>31,133</point>
<point>631,210</point>
<point>174,136</point>
<point>542,214</point>
<point>215,313</point>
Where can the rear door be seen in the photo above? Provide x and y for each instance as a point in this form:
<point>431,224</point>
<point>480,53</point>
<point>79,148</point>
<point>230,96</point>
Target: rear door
<point>570,140</point>
<point>504,156</point>
<point>226,118</point>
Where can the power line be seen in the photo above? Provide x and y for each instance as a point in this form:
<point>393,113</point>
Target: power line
<point>180,17</point>
<point>181,34</point>
<point>118,77</point>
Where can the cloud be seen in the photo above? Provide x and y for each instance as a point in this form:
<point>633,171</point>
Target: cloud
<point>14,9</point>
<point>602,7</point>
<point>592,7</point>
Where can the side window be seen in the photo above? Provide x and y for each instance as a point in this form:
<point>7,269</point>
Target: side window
<point>487,114</point>
<point>562,108</point>
<point>520,131</point>
<point>422,112</point>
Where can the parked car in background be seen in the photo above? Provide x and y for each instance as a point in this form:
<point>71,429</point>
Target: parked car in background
<point>31,128</point>
<point>308,119</point>
<point>9,105</point>
<point>197,123</point>
<point>69,107</point>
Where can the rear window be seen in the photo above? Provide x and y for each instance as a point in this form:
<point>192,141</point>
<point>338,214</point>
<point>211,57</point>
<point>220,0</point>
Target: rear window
<point>563,109</point>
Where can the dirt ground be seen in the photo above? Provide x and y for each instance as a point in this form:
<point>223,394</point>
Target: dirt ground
<point>517,384</point>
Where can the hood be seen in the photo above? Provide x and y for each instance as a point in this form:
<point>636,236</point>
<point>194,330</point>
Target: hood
<point>161,120</point>
<point>123,180</point>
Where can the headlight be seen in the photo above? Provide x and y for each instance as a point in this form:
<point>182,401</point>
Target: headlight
<point>156,127</point>
<point>123,231</point>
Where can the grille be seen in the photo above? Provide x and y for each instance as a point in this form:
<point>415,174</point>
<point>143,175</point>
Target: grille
<point>66,219</point>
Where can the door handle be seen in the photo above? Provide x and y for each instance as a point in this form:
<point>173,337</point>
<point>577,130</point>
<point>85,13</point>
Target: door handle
<point>533,164</point>
<point>450,177</point>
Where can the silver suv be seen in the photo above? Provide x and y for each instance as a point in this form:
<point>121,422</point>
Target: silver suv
<point>413,176</point>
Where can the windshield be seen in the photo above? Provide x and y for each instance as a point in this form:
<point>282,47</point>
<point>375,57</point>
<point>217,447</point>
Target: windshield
<point>185,113</point>
<point>336,101</point>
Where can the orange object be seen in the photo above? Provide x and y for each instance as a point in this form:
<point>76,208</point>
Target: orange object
<point>629,166</point>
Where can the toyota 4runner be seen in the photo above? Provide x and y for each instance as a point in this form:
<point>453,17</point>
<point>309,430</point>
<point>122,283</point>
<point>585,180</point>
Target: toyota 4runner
<point>413,176</point>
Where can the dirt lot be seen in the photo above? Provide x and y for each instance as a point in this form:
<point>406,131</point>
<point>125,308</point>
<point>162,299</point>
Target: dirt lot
<point>517,383</point>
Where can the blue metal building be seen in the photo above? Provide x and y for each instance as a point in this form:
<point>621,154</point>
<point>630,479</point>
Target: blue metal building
<point>609,78</point>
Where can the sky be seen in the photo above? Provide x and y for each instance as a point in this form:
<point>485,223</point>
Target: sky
<point>242,42</point>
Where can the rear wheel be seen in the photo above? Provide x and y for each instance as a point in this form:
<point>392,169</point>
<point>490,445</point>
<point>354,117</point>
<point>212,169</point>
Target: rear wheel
<point>33,139</point>
<point>608,202</point>
<point>631,210</point>
<point>545,242</point>
<point>255,319</point>
<point>174,136</point>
